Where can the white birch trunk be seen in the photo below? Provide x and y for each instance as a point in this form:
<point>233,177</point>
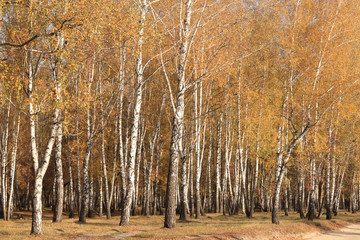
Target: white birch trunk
<point>40,167</point>
<point>89,145</point>
<point>103,157</point>
<point>71,189</point>
<point>178,122</point>
<point>4,159</point>
<point>209,171</point>
<point>122,157</point>
<point>218,167</point>
<point>125,215</point>
<point>77,149</point>
<point>10,209</point>
<point>59,199</point>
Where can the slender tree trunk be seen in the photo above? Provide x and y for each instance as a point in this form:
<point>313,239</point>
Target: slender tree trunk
<point>253,188</point>
<point>158,154</point>
<point>122,157</point>
<point>27,199</point>
<point>283,154</point>
<point>112,186</point>
<point>279,173</point>
<point>39,167</point>
<point>10,209</point>
<point>77,149</point>
<point>338,192</point>
<point>301,193</point>
<point>101,197</point>
<point>226,164</point>
<point>103,157</point>
<point>262,188</point>
<point>59,199</point>
<point>71,189</point>
<point>312,192</point>
<point>352,194</point>
<point>183,183</point>
<point>17,200</point>
<point>91,193</point>
<point>144,196</point>
<point>85,198</point>
<point>218,166</point>
<point>126,152</point>
<point>275,210</point>
<point>125,215</point>
<point>178,124</point>
<point>191,179</point>
<point>140,150</point>
<point>141,155</point>
<point>85,188</point>
<point>256,173</point>
<point>4,159</point>
<point>152,148</point>
<point>197,148</point>
<point>36,227</point>
<point>209,171</point>
<point>286,195</point>
<point>290,201</point>
<point>327,183</point>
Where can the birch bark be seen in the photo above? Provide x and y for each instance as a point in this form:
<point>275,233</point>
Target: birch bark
<point>178,123</point>
<point>10,209</point>
<point>40,167</point>
<point>71,189</point>
<point>218,167</point>
<point>125,215</point>
<point>4,159</point>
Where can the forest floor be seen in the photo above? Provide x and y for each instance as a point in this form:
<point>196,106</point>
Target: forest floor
<point>350,232</point>
<point>211,226</point>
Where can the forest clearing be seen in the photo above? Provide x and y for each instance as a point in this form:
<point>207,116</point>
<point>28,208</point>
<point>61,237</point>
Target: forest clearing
<point>176,118</point>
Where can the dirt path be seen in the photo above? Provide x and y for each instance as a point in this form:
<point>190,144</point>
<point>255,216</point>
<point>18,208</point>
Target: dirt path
<point>351,232</point>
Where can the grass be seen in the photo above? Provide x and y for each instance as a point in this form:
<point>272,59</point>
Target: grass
<point>211,226</point>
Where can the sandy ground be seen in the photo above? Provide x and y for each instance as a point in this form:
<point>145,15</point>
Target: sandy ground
<point>351,232</point>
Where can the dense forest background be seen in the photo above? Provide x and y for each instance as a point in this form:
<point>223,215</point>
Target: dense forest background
<point>179,107</point>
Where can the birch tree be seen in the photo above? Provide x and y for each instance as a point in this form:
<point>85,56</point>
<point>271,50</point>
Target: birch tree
<point>125,215</point>
<point>178,121</point>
